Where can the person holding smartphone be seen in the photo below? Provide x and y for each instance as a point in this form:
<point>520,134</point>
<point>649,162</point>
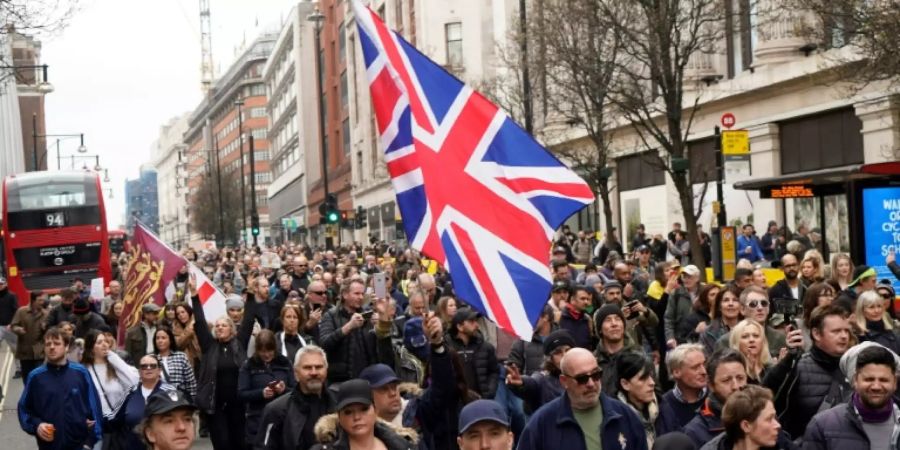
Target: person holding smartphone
<point>263,377</point>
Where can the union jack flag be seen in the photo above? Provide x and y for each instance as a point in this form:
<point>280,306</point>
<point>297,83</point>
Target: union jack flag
<point>476,192</point>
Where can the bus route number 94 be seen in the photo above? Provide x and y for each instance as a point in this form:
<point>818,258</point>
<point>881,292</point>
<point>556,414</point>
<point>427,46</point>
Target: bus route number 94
<point>55,219</point>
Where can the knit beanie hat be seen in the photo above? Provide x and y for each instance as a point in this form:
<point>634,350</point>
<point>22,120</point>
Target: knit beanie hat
<point>557,339</point>
<point>606,311</point>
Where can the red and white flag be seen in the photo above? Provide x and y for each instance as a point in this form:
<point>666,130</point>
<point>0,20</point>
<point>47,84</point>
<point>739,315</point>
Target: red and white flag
<point>211,298</point>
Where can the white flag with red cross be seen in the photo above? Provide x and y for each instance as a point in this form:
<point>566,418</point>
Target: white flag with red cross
<point>211,298</point>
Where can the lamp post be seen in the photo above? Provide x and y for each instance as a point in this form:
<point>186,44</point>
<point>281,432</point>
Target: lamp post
<point>35,136</point>
<point>219,185</point>
<point>81,148</point>
<point>317,17</point>
<point>254,218</point>
<point>240,103</point>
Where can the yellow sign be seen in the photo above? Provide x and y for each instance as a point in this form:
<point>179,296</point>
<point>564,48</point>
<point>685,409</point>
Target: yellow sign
<point>736,144</point>
<point>729,252</point>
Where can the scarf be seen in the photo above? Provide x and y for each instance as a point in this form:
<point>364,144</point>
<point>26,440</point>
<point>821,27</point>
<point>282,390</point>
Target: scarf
<point>576,314</point>
<point>870,415</point>
<point>826,361</point>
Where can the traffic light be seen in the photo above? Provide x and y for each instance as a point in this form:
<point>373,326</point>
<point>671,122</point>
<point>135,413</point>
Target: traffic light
<point>345,219</point>
<point>360,218</point>
<point>254,225</point>
<point>332,214</point>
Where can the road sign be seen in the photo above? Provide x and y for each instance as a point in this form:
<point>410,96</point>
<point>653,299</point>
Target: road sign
<point>728,120</point>
<point>736,145</point>
<point>729,253</point>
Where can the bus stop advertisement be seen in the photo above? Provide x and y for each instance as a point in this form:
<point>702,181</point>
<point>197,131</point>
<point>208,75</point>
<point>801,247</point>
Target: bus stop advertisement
<point>881,225</point>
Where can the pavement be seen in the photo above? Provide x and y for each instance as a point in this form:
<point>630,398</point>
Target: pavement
<point>11,435</point>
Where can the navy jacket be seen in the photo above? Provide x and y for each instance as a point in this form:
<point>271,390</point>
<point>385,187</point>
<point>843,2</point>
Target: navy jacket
<point>674,414</point>
<point>554,426</point>
<point>837,428</point>
<point>253,377</point>
<point>127,415</point>
<point>63,396</point>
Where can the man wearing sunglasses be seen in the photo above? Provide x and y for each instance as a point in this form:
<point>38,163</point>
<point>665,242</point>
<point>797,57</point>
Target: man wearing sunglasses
<point>583,418</point>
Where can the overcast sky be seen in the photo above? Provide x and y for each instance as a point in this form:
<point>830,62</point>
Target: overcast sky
<point>121,69</point>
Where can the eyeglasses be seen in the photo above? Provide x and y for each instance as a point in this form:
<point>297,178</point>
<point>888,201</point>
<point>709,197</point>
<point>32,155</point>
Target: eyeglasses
<point>753,304</point>
<point>583,378</point>
<point>149,366</point>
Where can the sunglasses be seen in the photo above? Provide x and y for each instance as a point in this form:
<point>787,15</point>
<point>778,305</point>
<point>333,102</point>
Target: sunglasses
<point>149,366</point>
<point>887,296</point>
<point>317,292</point>
<point>753,304</point>
<point>583,378</point>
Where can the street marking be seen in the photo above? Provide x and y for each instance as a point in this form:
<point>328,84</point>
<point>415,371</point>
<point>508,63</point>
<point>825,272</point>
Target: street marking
<point>7,363</point>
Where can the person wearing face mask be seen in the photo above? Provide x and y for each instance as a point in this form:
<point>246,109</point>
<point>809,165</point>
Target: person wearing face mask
<point>223,354</point>
<point>263,377</point>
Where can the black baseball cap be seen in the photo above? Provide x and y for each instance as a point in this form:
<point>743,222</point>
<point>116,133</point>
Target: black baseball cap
<point>165,400</point>
<point>378,375</point>
<point>480,411</point>
<point>560,285</point>
<point>354,391</point>
<point>464,314</point>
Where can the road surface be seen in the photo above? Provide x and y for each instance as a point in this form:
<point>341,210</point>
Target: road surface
<point>11,436</point>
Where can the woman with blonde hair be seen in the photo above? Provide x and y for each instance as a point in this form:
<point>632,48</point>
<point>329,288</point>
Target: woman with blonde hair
<point>749,338</point>
<point>872,323</point>
<point>811,268</point>
<point>842,270</point>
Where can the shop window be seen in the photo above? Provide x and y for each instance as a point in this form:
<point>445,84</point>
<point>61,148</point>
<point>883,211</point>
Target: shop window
<point>639,171</point>
<point>831,139</point>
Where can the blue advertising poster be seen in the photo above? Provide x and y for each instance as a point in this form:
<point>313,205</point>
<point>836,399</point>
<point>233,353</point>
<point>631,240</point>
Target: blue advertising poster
<point>881,223</point>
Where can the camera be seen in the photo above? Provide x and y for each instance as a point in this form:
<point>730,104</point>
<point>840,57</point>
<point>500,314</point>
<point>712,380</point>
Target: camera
<point>789,308</point>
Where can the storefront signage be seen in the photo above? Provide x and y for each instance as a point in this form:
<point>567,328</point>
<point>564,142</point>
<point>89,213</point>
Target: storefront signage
<point>788,191</point>
<point>881,224</point>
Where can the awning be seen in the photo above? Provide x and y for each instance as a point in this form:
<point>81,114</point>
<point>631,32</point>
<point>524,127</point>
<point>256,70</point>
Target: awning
<point>823,177</point>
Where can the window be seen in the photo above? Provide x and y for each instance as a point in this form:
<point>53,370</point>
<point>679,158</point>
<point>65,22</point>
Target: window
<point>259,133</point>
<point>342,42</point>
<point>454,44</point>
<point>741,34</point>
<point>344,91</point>
<point>640,171</point>
<point>262,155</point>
<point>345,132</point>
<point>258,112</point>
<point>830,139</point>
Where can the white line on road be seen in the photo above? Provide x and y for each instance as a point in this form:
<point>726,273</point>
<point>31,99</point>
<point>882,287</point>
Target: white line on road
<point>4,379</point>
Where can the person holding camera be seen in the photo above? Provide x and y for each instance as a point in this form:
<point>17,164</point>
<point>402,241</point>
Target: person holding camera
<point>807,383</point>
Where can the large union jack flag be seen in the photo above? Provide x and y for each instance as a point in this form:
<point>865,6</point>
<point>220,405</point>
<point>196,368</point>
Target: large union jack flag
<point>476,192</point>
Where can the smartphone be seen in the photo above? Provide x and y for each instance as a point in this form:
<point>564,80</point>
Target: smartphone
<point>368,314</point>
<point>272,384</point>
<point>316,306</point>
<point>380,285</point>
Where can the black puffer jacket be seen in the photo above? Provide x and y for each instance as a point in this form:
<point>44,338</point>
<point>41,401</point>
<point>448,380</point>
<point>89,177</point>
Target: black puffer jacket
<point>211,349</point>
<point>479,361</point>
<point>880,335</point>
<point>349,355</point>
<point>528,356</point>
<point>801,386</point>
<point>283,420</point>
<point>253,378</point>
<point>332,437</point>
<point>838,428</point>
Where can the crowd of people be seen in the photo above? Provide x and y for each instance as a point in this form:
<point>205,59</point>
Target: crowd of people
<point>368,348</point>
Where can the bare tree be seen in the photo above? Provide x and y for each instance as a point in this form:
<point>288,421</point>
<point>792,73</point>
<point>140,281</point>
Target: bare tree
<point>205,206</point>
<point>659,40</point>
<point>571,64</point>
<point>30,17</point>
<point>868,27</point>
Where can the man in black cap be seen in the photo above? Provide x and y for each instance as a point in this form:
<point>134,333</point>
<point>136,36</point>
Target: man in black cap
<point>478,356</point>
<point>484,425</point>
<point>168,421</point>
<point>85,319</point>
<point>542,387</point>
<point>864,279</point>
<point>139,338</point>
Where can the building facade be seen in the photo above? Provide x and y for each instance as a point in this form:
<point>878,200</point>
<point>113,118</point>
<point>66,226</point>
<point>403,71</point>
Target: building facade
<point>12,154</point>
<point>219,132</point>
<point>168,155</point>
<point>141,201</point>
<point>289,76</point>
<point>26,51</point>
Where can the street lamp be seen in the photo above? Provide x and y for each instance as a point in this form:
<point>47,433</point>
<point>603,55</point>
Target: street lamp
<point>240,103</point>
<point>35,136</point>
<point>43,87</point>
<point>317,18</point>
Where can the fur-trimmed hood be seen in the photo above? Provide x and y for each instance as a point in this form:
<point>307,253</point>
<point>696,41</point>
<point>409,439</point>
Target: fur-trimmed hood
<point>327,431</point>
<point>408,390</point>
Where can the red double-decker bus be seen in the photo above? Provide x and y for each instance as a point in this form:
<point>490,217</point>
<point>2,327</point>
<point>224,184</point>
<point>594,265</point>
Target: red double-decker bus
<point>54,229</point>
